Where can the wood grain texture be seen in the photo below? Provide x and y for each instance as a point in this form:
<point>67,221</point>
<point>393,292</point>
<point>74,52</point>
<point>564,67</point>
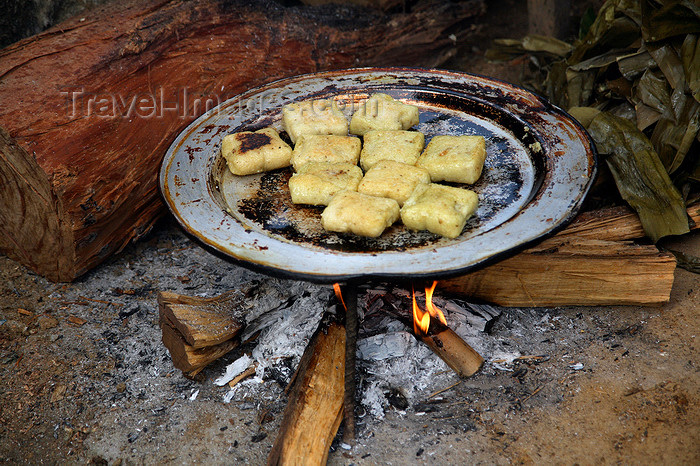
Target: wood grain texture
<point>315,408</point>
<point>573,272</point>
<point>91,105</point>
<point>185,357</point>
<point>203,322</point>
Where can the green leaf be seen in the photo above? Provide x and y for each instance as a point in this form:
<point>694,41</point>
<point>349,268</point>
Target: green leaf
<point>670,64</point>
<point>537,43</point>
<point>633,65</point>
<point>690,56</point>
<point>673,18</point>
<point>646,116</point>
<point>640,176</point>
<point>600,61</point>
<point>618,33</point>
<point>584,115</point>
<point>579,87</point>
<point>673,139</point>
<point>653,89</point>
<point>555,84</point>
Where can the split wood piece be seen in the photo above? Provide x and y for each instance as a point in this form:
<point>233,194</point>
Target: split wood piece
<point>243,375</point>
<point>204,322</point>
<point>90,106</point>
<point>185,357</point>
<point>615,224</point>
<point>197,331</point>
<point>315,408</point>
<point>570,271</point>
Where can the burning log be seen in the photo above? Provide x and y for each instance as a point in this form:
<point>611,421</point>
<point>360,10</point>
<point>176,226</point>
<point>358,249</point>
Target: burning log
<point>452,349</point>
<point>90,106</point>
<point>431,328</point>
<point>316,398</point>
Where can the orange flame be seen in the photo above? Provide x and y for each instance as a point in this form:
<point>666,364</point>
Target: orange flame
<point>433,309</point>
<point>421,320</point>
<point>339,295</point>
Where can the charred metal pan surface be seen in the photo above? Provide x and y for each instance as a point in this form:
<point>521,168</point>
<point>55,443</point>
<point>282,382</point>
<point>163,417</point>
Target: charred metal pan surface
<point>539,166</point>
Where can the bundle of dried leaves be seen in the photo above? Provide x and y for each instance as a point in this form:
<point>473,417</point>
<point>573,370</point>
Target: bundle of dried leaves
<point>633,80</point>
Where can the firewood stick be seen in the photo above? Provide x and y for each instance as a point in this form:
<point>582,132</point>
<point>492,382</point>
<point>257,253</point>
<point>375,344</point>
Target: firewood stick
<point>315,408</point>
<point>350,357</point>
<point>452,349</point>
<point>442,340</point>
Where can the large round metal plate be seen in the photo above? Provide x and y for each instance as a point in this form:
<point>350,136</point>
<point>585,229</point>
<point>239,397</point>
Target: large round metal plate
<point>539,166</point>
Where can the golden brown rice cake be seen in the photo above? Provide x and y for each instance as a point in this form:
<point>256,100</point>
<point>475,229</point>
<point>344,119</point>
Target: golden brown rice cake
<point>352,212</point>
<point>317,182</point>
<point>313,117</point>
<point>459,159</point>
<point>251,152</point>
<point>401,146</point>
<point>383,112</point>
<point>394,180</point>
<point>442,210</point>
<point>326,148</point>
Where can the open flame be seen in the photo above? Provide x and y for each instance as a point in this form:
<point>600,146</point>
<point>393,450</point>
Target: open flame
<point>339,295</point>
<point>421,320</point>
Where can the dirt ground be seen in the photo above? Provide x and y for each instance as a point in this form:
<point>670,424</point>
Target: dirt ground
<point>86,379</point>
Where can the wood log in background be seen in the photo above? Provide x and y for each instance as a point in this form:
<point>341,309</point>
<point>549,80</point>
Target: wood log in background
<point>90,106</point>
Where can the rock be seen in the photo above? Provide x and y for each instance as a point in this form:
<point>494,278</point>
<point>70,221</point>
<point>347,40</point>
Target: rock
<point>47,322</point>
<point>14,328</point>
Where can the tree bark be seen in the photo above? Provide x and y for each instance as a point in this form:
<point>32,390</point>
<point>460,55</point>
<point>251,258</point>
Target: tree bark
<point>90,106</point>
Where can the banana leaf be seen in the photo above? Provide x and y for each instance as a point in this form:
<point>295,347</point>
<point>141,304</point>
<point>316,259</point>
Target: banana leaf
<point>555,84</point>
<point>691,115</point>
<point>695,174</point>
<point>507,49</point>
<point>537,43</point>
<point>579,87</point>
<point>640,176</point>
<point>646,116</point>
<point>504,49</point>
<point>633,65</point>
<point>686,261</point>
<point>653,90</point>
<point>584,115</point>
<point>690,56</point>
<point>670,64</point>
<point>603,60</point>
<point>673,139</point>
<point>620,32</point>
<point>673,18</point>
<point>619,88</point>
<point>623,110</point>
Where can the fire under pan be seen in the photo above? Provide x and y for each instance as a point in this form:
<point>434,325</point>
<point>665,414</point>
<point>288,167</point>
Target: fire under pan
<point>539,166</point>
